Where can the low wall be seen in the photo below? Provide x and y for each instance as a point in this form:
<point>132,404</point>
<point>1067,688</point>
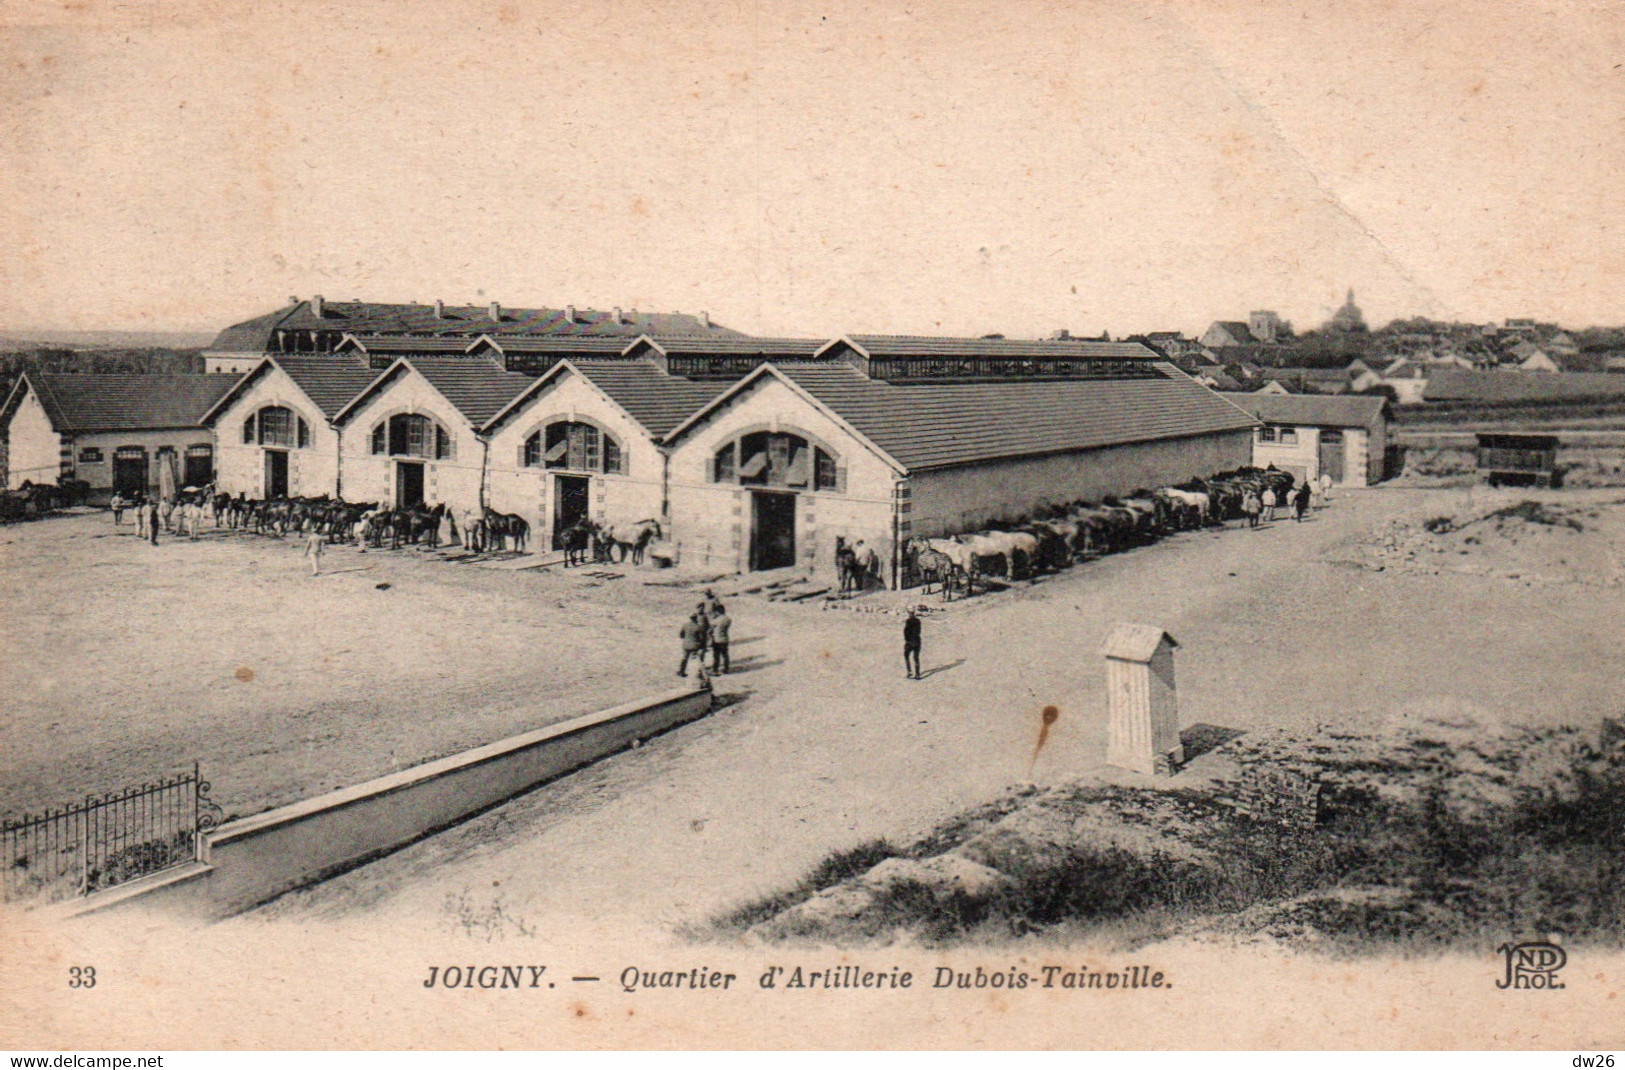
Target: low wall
<point>254,859</point>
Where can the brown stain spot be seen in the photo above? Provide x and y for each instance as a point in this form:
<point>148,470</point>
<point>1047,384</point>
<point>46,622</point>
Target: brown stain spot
<point>639,206</point>
<point>580,1010</point>
<point>244,673</point>
<point>1051,715</point>
<point>508,14</point>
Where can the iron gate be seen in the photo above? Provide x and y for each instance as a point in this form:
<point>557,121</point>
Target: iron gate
<point>105,840</point>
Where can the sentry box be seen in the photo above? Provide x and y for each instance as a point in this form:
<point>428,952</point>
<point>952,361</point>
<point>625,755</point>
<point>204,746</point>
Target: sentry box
<point>1143,731</point>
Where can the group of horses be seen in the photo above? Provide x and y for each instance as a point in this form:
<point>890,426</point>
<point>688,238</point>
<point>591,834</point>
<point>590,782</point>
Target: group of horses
<point>589,542</point>
<point>31,500</point>
<point>1062,534</point>
<point>366,524</point>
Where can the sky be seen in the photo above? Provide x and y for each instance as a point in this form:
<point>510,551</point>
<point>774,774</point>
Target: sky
<point>800,168</point>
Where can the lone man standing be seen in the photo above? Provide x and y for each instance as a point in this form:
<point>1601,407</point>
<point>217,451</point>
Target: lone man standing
<point>315,544</point>
<point>152,520</point>
<point>911,645</point>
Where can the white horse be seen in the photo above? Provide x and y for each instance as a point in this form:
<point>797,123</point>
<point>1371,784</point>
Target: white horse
<point>1195,499</point>
<point>1004,544</point>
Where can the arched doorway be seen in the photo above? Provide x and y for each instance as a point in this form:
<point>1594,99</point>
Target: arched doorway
<point>573,453</point>
<point>776,467</point>
<point>130,471</point>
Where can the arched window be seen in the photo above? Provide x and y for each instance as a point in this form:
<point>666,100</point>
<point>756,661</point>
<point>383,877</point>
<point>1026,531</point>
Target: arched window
<point>776,459</point>
<point>276,426</point>
<point>574,446</point>
<point>407,434</point>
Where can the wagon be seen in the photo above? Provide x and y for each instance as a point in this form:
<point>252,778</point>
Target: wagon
<point>1518,460</point>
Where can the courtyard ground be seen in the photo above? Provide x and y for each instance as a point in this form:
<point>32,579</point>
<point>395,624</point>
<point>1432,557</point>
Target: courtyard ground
<point>121,661</point>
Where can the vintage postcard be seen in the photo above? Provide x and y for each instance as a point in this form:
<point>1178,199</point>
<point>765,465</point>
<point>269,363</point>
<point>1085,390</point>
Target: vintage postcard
<point>778,524</point>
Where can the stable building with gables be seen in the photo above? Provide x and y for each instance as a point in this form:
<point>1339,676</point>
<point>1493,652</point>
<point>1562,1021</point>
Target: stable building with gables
<point>586,440</point>
<point>274,428</point>
<point>752,453</point>
<point>880,439</point>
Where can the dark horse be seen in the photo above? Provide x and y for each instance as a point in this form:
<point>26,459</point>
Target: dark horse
<point>505,527</point>
<point>578,540</point>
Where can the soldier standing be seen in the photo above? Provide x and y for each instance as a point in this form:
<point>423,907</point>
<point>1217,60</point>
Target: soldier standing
<point>911,645</point>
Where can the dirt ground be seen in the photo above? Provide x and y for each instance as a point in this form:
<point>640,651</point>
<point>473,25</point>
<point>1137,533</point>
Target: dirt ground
<point>830,746</point>
<point>120,661</point>
<point>128,661</point>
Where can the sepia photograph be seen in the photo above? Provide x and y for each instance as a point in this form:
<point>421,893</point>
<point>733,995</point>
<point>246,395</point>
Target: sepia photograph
<point>764,524</point>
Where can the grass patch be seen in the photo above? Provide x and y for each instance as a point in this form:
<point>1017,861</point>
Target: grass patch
<point>1413,871</point>
<point>835,867</point>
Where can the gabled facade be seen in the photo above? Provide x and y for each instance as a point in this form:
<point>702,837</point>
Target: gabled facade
<point>412,437</point>
<point>138,434</point>
<point>274,431</point>
<point>1224,334</point>
<point>567,450</point>
<point>768,476</point>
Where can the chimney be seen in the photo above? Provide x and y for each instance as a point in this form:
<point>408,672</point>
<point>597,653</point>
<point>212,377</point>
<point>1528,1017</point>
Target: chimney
<point>705,319</point>
<point>439,309</point>
<point>293,300</point>
<point>569,313</point>
<point>1061,335</point>
<point>616,315</point>
<point>316,306</point>
<point>495,311</point>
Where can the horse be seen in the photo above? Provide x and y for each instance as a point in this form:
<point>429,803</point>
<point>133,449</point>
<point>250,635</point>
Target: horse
<point>507,526</point>
<point>962,563</point>
<point>631,540</point>
<point>1019,550</point>
<point>576,540</point>
<point>932,567</point>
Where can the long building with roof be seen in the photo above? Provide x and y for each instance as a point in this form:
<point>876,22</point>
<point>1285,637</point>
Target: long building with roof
<point>881,440</point>
<point>125,433</point>
<point>382,332</point>
<point>751,453</point>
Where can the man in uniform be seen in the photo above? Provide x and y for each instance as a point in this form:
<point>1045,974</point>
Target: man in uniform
<point>693,633</point>
<point>911,645</point>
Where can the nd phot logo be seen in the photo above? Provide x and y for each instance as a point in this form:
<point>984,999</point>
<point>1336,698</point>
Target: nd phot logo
<point>1533,964</point>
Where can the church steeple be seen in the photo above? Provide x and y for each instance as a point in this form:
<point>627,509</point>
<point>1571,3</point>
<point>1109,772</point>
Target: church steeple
<point>1349,317</point>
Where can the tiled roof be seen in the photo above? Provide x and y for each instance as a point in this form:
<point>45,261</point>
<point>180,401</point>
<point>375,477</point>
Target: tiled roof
<point>330,382</point>
<point>908,345</point>
<point>925,425</point>
<point>367,318</point>
<point>654,399</point>
<point>562,345</point>
<point>1314,410</point>
<point>1308,375</point>
<point>86,403</point>
<point>478,388</point>
<point>1241,332</point>
<point>1459,384</point>
<point>403,344</point>
<point>780,348</point>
